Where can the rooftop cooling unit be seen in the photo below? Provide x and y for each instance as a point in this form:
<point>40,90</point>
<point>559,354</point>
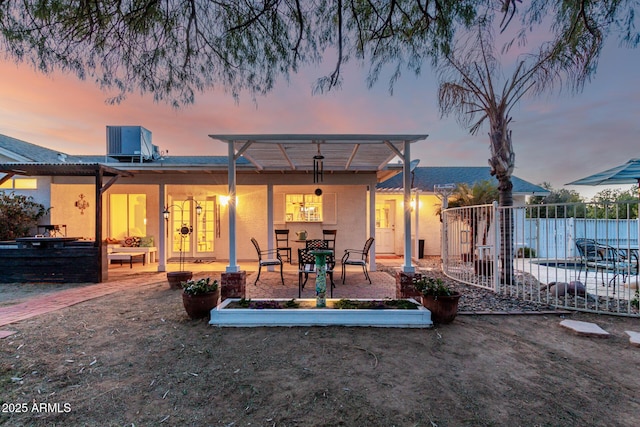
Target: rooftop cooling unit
<point>130,144</point>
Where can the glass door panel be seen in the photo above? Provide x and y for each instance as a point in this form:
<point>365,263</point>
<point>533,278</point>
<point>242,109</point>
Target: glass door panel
<point>205,227</point>
<point>181,218</point>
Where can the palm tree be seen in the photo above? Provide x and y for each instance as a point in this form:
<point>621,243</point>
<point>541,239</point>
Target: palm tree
<point>470,88</point>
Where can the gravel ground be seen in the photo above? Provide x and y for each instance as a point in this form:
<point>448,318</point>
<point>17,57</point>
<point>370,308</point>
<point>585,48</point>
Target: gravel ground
<point>478,300</point>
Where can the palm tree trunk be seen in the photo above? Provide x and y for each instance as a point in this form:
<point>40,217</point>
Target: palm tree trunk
<point>502,164</point>
<point>506,234</point>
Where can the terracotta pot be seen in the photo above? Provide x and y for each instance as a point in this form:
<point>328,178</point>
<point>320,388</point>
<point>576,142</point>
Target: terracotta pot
<point>443,308</point>
<point>176,277</point>
<point>199,306</point>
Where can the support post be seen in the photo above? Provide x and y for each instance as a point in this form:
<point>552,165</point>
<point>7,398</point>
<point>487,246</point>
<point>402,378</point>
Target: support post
<point>406,176</point>
<point>372,225</point>
<point>233,262</point>
<point>103,273</point>
<point>162,239</point>
<point>270,232</point>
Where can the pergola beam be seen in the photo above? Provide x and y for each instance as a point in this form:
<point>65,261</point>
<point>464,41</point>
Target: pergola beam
<point>352,156</point>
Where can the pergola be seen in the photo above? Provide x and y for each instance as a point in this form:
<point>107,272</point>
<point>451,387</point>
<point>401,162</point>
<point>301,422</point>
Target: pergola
<point>341,153</point>
<point>96,170</point>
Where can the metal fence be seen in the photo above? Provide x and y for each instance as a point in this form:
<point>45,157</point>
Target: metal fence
<point>541,245</point>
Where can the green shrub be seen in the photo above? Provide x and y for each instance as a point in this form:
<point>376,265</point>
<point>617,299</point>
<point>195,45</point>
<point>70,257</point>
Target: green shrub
<point>432,286</point>
<point>18,215</point>
<point>526,252</point>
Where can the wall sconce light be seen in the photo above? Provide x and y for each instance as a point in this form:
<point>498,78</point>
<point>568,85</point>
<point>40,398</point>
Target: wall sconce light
<point>166,212</point>
<point>224,200</point>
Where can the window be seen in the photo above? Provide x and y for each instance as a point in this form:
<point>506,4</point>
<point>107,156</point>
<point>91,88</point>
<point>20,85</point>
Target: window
<point>25,183</point>
<point>303,208</point>
<point>21,184</point>
<point>127,215</point>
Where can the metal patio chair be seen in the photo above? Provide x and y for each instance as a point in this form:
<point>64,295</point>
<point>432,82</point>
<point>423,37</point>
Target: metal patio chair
<point>605,258</point>
<point>282,243</point>
<point>329,236</point>
<point>307,266</point>
<point>267,261</point>
<point>357,257</point>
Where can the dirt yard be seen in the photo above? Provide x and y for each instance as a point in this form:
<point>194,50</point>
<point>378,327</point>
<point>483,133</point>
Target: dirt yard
<point>135,359</point>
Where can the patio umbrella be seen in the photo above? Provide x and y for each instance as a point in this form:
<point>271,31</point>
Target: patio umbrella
<point>628,173</point>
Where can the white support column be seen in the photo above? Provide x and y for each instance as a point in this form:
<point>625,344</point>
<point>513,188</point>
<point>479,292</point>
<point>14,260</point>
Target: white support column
<point>416,211</point>
<point>233,262</point>
<point>406,175</point>
<point>162,239</point>
<point>270,232</point>
<point>372,225</point>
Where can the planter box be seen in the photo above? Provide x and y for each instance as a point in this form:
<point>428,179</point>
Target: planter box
<point>388,318</point>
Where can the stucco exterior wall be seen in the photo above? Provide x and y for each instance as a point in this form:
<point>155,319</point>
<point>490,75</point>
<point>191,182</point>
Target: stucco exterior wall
<point>80,223</point>
<point>350,218</point>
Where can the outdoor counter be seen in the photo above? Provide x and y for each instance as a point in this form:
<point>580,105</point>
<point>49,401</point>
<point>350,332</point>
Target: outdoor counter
<point>44,242</point>
<point>50,262</point>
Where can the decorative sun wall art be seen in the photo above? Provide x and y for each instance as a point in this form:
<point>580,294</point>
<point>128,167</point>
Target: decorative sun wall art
<point>82,204</point>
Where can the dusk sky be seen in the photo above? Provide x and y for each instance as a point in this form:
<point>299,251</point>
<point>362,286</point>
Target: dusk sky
<point>557,138</point>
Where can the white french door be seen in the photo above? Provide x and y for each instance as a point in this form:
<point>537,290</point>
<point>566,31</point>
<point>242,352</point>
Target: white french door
<point>193,235</point>
<point>385,226</point>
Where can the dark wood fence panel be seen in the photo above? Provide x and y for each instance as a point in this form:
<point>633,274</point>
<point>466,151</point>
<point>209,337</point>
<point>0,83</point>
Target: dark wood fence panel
<point>56,265</point>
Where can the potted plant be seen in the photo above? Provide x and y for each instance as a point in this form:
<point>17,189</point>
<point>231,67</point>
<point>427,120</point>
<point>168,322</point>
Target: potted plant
<point>440,299</point>
<point>200,296</point>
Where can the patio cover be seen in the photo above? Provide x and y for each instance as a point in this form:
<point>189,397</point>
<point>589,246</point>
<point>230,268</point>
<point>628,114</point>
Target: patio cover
<point>343,153</point>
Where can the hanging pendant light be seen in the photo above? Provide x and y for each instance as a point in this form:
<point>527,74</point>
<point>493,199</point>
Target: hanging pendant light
<point>318,167</point>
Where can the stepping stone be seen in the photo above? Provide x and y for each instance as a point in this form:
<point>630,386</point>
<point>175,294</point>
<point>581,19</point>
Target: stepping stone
<point>634,338</point>
<point>585,329</point>
<point>4,334</point>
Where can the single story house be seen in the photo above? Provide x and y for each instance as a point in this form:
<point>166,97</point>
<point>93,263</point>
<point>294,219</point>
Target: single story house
<point>298,182</point>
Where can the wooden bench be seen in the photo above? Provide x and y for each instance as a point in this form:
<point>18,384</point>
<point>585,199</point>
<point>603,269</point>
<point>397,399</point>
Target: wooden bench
<point>127,256</point>
<point>152,251</point>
